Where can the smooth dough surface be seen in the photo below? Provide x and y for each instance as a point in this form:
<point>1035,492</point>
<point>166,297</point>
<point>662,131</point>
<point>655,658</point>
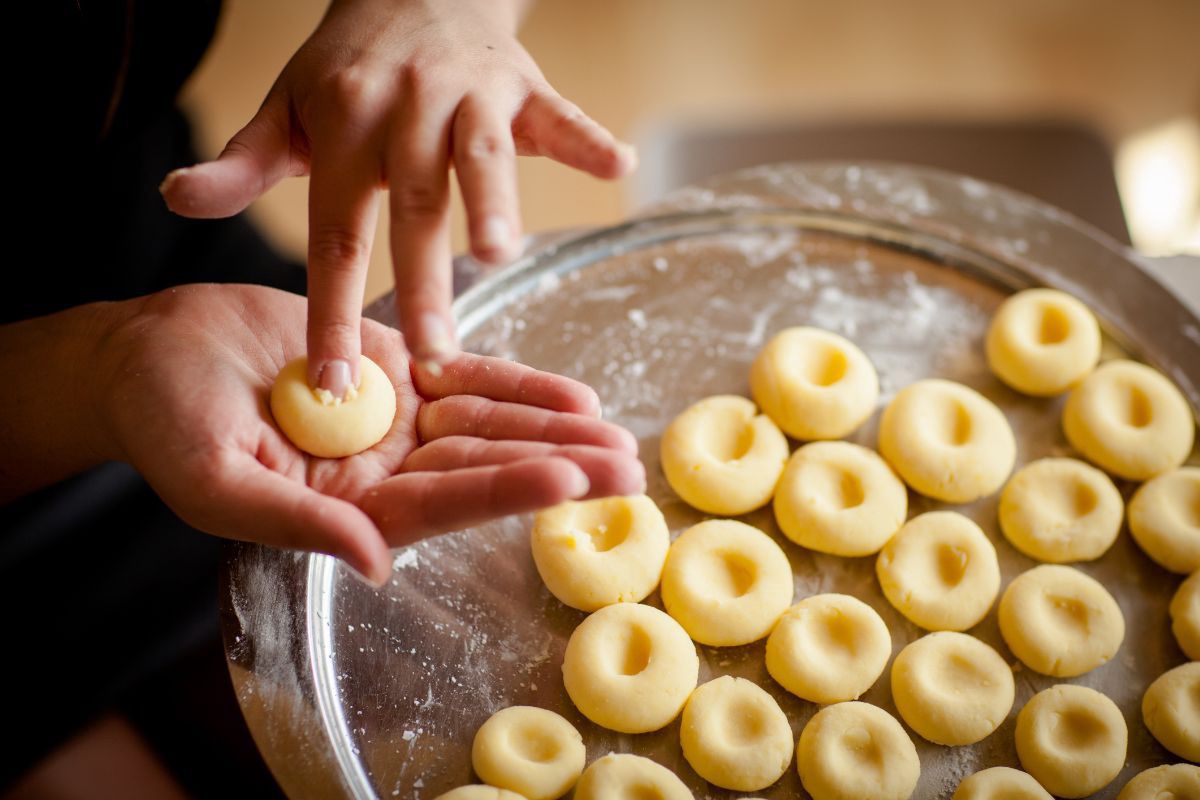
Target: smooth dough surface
<point>856,751</point>
<point>1164,519</point>
<point>328,428</point>
<point>828,648</point>
<point>952,688</point>
<point>1185,616</point>
<point>839,498</point>
<point>1130,420</point>
<point>947,441</point>
<point>621,776</point>
<point>1168,782</point>
<point>529,750</point>
<point>940,571</point>
<point>814,384</point>
<point>1060,622</point>
<point>1000,783</point>
<point>726,582</point>
<point>630,668</point>
<point>478,791</point>
<point>1042,342</point>
<point>1061,510</point>
<point>1072,739</point>
<point>735,735</point>
<point>595,553</point>
<point>1171,710</point>
<point>723,457</point>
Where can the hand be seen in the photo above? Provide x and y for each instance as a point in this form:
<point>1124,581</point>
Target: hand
<point>391,94</point>
<point>186,404</point>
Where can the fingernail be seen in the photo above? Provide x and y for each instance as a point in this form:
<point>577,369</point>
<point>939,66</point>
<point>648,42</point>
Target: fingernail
<point>629,153</point>
<point>436,343</point>
<point>496,235</point>
<point>335,378</point>
<point>172,176</point>
<point>579,484</point>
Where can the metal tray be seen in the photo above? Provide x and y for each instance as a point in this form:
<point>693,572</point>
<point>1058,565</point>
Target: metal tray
<point>352,692</point>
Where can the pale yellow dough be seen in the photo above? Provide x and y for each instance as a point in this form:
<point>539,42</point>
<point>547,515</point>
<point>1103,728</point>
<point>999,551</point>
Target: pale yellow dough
<point>630,668</point>
<point>1061,510</point>
<point>529,750</point>
<point>1060,622</point>
<point>1072,739</point>
<point>595,553</point>
<point>828,648</point>
<point>328,428</point>
<point>735,735</point>
<point>621,776</point>
<point>1000,783</point>
<point>726,582</point>
<point>1168,782</point>
<point>1164,518</point>
<point>940,571</point>
<point>1130,420</point>
<point>947,441</point>
<point>1185,616</point>
<point>1171,710</point>
<point>814,384</point>
<point>479,792</point>
<point>856,751</point>
<point>723,457</point>
<point>839,498</point>
<point>1042,342</point>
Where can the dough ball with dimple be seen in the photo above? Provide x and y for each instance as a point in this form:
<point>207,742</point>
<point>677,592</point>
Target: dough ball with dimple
<point>1164,519</point>
<point>856,751</point>
<point>1000,783</point>
<point>621,776</point>
<point>1072,739</point>
<point>630,668</point>
<point>531,751</point>
<point>723,457</point>
<point>1168,782</point>
<point>828,648</point>
<point>1185,616</point>
<point>735,735</point>
<point>1061,510</point>
<point>947,441</point>
<point>940,571</point>
<point>726,582</point>
<point>952,688</point>
<point>814,384</point>
<point>595,553</point>
<point>839,498</point>
<point>323,426</point>
<point>1130,420</point>
<point>1042,342</point>
<point>478,791</point>
<point>1060,622</point>
<point>1171,710</point>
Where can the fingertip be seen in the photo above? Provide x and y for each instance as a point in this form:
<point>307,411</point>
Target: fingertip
<point>369,559</point>
<point>626,441</point>
<point>621,160</point>
<point>576,482</point>
<point>495,241</point>
<point>431,341</point>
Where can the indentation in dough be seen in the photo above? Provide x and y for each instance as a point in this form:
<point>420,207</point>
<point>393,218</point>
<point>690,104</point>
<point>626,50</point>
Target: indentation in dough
<point>951,564</point>
<point>863,746</point>
<point>824,365</point>
<point>727,443</point>
<point>746,724</point>
<point>1139,412</point>
<point>958,674</point>
<point>533,743</point>
<point>955,424</point>
<point>728,574</point>
<point>1067,613</point>
<point>633,653</point>
<point>838,488</point>
<point>601,527</point>
<point>1055,327</point>
<point>1076,730</point>
<point>835,632</point>
<point>642,791</point>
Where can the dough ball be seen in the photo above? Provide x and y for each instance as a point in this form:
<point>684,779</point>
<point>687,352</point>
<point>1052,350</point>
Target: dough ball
<point>630,668</point>
<point>856,751</point>
<point>814,384</point>
<point>940,571</point>
<point>1164,518</point>
<point>531,751</point>
<point>726,582</point>
<point>479,792</point>
<point>1185,616</point>
<point>1060,622</point>
<point>947,441</point>
<point>1042,342</point>
<point>723,457</point>
<point>735,735</point>
<point>1130,420</point>
<point>828,648</point>
<point>1171,710</point>
<point>840,498</point>
<point>621,776</point>
<point>1060,510</point>
<point>1000,783</point>
<point>327,428</point>
<point>952,688</point>
<point>1168,782</point>
<point>1072,739</point>
<point>599,552</point>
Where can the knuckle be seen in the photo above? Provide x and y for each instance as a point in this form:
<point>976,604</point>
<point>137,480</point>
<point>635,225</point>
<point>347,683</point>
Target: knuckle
<point>354,90</point>
<point>487,147</point>
<point>411,198</point>
<point>337,249</point>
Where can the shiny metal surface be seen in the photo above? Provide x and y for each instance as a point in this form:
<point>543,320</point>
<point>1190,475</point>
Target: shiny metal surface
<point>356,693</point>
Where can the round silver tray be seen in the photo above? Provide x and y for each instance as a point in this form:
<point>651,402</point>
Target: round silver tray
<point>352,692</point>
